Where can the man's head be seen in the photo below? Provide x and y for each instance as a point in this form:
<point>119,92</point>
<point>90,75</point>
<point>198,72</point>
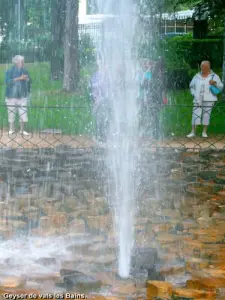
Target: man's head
<point>18,60</point>
<point>205,67</point>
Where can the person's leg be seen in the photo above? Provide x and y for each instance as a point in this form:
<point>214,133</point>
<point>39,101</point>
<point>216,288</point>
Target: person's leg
<point>22,104</point>
<point>11,114</point>
<point>207,109</point>
<point>196,119</point>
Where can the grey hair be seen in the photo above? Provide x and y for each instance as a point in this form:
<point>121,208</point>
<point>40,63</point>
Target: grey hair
<point>205,62</point>
<point>18,58</point>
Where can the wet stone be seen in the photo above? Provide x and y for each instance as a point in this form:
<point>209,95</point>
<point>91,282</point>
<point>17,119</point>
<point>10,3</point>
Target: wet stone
<point>11,282</point>
<point>143,259</point>
<point>81,282</point>
<point>195,159</point>
<point>220,178</point>
<point>47,261</point>
<point>204,153</point>
<point>159,289</point>
<point>43,179</point>
<point>196,294</point>
<point>192,168</point>
<point>217,156</point>
<point>208,175</point>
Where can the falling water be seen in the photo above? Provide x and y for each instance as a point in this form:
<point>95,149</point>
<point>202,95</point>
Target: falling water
<point>19,20</point>
<point>118,62</point>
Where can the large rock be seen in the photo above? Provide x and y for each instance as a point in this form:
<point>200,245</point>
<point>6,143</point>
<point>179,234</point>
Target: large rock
<point>125,289</point>
<point>143,259</point>
<point>208,175</point>
<point>6,232</point>
<point>192,247</point>
<point>220,178</point>
<point>99,223</point>
<point>169,213</point>
<point>77,225</point>
<point>196,264</point>
<point>198,285</point>
<point>11,282</point>
<point>167,239</point>
<point>81,282</point>
<point>213,278</point>
<point>59,219</point>
<point>172,268</point>
<point>209,235</point>
<point>194,294</point>
<point>159,289</point>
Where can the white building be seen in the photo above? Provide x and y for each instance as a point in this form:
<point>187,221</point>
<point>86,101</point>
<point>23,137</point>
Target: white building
<point>82,8</point>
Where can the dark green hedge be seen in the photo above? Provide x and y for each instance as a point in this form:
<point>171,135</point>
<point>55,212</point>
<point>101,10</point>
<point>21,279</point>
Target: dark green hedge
<point>184,54</point>
<point>193,51</point>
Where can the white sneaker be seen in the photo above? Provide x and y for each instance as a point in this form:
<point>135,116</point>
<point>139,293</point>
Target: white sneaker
<point>204,134</point>
<point>190,135</point>
<point>11,132</point>
<point>24,133</point>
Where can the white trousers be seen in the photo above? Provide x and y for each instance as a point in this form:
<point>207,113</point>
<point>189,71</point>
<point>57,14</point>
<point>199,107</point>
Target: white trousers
<point>201,114</point>
<point>15,105</point>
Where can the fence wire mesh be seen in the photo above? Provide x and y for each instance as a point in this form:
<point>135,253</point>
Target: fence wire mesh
<point>76,126</point>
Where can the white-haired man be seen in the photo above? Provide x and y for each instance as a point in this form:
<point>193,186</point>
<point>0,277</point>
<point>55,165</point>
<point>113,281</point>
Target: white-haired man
<point>204,99</point>
<point>18,83</point>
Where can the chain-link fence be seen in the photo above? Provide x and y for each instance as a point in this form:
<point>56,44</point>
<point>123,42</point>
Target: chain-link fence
<point>75,126</point>
<point>46,126</point>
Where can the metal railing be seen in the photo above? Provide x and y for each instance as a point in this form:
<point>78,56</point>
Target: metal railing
<point>50,126</point>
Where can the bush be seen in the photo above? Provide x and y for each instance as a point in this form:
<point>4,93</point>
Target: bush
<point>87,51</point>
<point>183,56</point>
<point>189,51</point>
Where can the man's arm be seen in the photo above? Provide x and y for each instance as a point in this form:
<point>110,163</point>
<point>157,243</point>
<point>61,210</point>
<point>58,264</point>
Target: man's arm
<point>9,80</point>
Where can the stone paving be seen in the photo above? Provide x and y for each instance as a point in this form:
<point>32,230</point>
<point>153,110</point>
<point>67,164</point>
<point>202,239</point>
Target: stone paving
<point>42,140</point>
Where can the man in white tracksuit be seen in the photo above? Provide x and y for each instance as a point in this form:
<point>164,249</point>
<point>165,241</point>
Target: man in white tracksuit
<point>204,99</point>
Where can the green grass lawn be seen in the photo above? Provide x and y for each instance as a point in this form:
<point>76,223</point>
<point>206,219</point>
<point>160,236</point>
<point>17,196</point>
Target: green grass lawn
<point>50,106</point>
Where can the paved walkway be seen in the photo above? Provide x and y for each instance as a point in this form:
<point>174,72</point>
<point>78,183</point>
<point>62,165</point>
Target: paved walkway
<point>43,140</point>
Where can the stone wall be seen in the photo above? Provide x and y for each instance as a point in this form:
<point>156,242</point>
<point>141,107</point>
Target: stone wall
<point>52,173</point>
<point>180,209</point>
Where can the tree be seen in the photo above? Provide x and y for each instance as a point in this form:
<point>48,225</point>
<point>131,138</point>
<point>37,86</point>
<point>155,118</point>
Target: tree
<point>58,13</point>
<point>71,43</point>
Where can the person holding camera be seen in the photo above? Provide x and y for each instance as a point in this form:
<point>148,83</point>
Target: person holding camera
<point>18,83</point>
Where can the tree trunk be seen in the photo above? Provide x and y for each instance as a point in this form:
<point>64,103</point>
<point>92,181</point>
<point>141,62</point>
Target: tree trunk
<point>58,9</point>
<point>224,60</point>
<point>71,42</point>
